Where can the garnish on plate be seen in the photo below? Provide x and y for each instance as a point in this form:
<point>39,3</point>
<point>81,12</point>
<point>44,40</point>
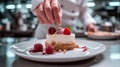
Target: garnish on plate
<point>84,48</point>
<point>67,31</point>
<point>70,27</point>
<point>49,49</point>
<point>51,30</point>
<point>38,47</point>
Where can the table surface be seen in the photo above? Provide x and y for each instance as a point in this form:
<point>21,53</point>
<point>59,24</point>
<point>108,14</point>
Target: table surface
<point>110,58</point>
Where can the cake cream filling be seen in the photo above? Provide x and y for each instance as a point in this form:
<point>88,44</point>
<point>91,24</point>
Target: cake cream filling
<point>60,38</point>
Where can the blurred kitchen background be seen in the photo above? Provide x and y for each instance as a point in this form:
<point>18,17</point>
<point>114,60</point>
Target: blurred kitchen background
<point>17,20</point>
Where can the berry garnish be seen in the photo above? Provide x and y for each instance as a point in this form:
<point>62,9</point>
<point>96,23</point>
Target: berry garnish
<point>49,49</point>
<point>67,31</point>
<point>70,27</point>
<point>84,48</point>
<point>51,30</point>
<point>59,30</point>
<point>38,47</point>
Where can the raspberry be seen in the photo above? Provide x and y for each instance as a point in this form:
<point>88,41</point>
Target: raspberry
<point>38,47</point>
<point>67,31</point>
<point>49,49</point>
<point>51,30</point>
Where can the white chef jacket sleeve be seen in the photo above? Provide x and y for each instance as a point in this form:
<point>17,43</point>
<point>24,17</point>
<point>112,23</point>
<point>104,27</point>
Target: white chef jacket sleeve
<point>35,3</point>
<point>85,14</point>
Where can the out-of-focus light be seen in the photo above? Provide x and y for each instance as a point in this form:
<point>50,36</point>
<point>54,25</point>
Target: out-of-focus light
<point>19,6</point>
<point>109,8</point>
<point>115,56</point>
<point>114,3</point>
<point>9,40</point>
<point>10,54</point>
<point>90,4</point>
<point>28,5</point>
<point>10,6</point>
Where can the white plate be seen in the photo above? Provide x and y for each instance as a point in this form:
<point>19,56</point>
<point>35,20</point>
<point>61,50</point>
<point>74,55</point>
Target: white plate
<point>100,37</point>
<point>22,50</point>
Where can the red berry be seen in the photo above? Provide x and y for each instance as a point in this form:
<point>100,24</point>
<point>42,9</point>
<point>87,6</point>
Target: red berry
<point>51,30</point>
<point>38,47</point>
<point>67,31</point>
<point>49,49</point>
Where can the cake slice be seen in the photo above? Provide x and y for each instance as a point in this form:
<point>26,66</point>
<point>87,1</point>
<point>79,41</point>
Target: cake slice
<point>62,39</point>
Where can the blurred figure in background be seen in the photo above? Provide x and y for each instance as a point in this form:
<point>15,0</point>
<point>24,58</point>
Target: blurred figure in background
<point>64,12</point>
<point>1,24</point>
<point>17,16</point>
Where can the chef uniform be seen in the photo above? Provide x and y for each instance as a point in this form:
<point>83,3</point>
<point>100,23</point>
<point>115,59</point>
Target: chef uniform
<point>72,9</point>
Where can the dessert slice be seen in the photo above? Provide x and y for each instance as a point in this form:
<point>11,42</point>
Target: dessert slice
<point>62,39</point>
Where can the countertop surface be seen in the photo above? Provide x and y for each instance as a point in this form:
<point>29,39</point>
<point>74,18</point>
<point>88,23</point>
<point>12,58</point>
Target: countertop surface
<point>110,58</point>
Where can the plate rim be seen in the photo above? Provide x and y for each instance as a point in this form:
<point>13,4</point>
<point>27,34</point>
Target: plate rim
<point>99,37</point>
<point>56,58</point>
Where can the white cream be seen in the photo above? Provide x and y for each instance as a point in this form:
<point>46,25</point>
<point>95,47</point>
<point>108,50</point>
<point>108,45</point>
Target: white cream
<point>61,39</point>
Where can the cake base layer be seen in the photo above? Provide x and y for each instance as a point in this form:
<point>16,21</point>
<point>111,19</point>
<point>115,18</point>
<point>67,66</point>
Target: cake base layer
<point>62,47</point>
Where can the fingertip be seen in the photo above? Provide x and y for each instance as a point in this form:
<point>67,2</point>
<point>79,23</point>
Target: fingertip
<point>57,22</point>
<point>52,22</point>
<point>40,22</point>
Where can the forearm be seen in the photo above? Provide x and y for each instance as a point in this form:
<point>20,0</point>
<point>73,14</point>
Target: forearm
<point>87,19</point>
<point>85,15</point>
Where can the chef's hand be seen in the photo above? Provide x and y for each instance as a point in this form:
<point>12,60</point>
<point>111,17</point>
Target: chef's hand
<point>92,28</point>
<point>49,12</point>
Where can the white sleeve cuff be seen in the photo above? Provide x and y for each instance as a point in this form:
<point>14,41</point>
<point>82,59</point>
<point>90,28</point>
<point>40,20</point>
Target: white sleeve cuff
<point>89,21</point>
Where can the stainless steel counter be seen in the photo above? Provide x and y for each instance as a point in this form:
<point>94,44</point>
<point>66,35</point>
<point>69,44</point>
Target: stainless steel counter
<point>110,58</point>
